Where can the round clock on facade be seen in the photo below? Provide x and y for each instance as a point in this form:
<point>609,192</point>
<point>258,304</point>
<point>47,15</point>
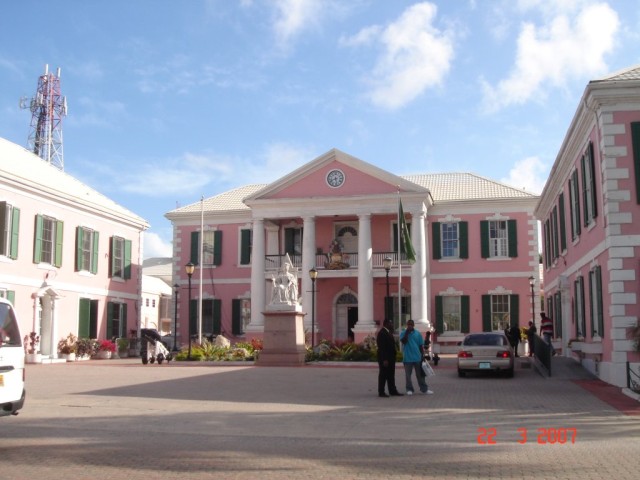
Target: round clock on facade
<point>335,178</point>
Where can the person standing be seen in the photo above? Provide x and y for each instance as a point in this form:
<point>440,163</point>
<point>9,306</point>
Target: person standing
<point>387,360</point>
<point>515,338</point>
<point>531,335</point>
<point>412,354</point>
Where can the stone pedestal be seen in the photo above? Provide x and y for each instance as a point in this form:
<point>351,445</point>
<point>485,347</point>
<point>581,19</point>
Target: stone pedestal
<point>284,344</point>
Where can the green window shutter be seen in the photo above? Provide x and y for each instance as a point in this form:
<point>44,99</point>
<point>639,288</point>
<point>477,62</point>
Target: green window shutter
<point>635,142</point>
<point>110,307</point>
<point>563,228</point>
<point>245,247</point>
<point>575,306</point>
<point>3,226</point>
<point>59,238</point>
<point>217,316</point>
<point>592,166</point>
<point>195,247</point>
<point>585,210</point>
<point>591,293</point>
<point>514,311</point>
<point>486,313</point>
<point>11,296</point>
<point>463,233</point>
<point>512,232</point>
<point>123,322</point>
<point>79,256</point>
<point>37,243</point>
<point>112,260</point>
<point>437,240</point>
<point>598,273</point>
<point>127,259</point>
<point>84,318</point>
<point>236,320</point>
<point>557,317</point>
<point>439,315</point>
<point>93,319</point>
<point>15,233</point>
<point>94,253</point>
<point>217,247</point>
<point>465,314</point>
<point>484,239</point>
<point>577,201</point>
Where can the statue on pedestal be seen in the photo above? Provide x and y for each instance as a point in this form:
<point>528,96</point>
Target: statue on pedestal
<point>285,285</point>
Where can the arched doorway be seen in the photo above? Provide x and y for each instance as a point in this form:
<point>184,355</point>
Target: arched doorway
<point>346,316</point>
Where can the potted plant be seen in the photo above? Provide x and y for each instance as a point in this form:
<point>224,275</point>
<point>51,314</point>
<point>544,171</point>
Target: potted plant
<point>31,344</point>
<point>85,348</point>
<point>67,347</point>
<point>105,349</point>
<point>123,347</point>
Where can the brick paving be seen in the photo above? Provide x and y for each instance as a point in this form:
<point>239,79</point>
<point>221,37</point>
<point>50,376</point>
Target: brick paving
<point>120,419</point>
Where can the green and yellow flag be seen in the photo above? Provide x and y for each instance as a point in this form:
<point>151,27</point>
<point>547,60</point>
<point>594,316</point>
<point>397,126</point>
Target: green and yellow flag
<point>404,235</point>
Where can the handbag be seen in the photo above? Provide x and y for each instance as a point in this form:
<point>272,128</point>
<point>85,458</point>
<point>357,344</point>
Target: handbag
<point>426,368</point>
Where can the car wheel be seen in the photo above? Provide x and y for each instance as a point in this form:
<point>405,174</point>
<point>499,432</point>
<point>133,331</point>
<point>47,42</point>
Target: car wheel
<point>145,360</point>
<point>461,373</point>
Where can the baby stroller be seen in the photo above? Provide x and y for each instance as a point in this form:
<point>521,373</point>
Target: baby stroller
<point>152,348</point>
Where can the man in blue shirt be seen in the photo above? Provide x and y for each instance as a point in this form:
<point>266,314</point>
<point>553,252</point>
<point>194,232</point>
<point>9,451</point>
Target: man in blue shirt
<point>412,354</point>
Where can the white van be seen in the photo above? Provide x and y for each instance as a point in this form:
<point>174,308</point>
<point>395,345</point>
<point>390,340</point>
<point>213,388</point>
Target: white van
<point>11,362</point>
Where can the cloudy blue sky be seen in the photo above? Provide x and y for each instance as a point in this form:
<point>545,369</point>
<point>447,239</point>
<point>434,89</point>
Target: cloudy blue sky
<point>170,100</point>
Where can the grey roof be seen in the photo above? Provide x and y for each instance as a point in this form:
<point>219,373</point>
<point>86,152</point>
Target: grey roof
<point>630,73</point>
<point>230,201</point>
<point>465,186</point>
<point>443,187</point>
<point>20,165</point>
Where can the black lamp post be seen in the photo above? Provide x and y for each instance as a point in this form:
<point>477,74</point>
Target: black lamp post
<point>313,274</point>
<point>387,262</point>
<point>175,319</point>
<point>532,282</point>
<point>189,268</point>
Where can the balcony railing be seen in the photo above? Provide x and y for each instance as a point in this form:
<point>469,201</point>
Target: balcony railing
<point>345,261</point>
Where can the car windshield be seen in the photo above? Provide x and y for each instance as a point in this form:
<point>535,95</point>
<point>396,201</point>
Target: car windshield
<point>9,333</point>
<point>484,341</point>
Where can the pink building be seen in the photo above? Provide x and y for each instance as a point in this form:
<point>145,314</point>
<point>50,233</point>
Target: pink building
<point>476,243</point>
<point>69,256</point>
<point>590,212</point>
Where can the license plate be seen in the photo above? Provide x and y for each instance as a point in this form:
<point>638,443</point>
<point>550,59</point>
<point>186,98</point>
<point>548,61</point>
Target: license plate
<point>484,365</point>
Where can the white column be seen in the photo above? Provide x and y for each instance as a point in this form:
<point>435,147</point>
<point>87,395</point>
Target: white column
<point>419,293</point>
<point>258,286</point>
<point>365,276</point>
<point>308,262</point>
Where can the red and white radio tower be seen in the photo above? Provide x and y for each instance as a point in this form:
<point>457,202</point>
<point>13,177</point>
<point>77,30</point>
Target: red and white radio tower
<point>48,108</point>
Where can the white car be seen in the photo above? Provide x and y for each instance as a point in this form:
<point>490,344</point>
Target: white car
<point>12,372</point>
<point>485,352</point>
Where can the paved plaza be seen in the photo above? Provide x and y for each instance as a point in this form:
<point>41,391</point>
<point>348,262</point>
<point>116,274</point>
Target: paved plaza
<point>106,419</point>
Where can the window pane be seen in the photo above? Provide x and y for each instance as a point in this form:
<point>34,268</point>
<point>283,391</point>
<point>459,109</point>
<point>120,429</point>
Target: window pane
<point>498,239</point>
<point>450,240</point>
<point>48,235</point>
<point>207,248</point>
<point>499,312</point>
<point>451,314</point>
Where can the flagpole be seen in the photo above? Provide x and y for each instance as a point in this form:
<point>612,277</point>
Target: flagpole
<point>200,256</point>
<point>399,227</point>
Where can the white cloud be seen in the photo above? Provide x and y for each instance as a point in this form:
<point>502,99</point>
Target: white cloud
<point>292,16</point>
<point>529,173</point>
<point>155,246</point>
<point>364,37</point>
<point>415,56</point>
<point>277,160</point>
<point>565,47</point>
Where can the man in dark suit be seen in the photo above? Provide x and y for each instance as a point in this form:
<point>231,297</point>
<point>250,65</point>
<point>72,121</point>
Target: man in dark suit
<point>387,360</point>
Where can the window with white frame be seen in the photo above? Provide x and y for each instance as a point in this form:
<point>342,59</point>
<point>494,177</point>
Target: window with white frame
<point>120,256</point>
<point>578,308</point>
<point>9,229</point>
<point>500,318</point>
<point>451,313</point>
<point>48,241</point>
<point>87,241</point>
<point>450,240</point>
<point>498,238</point>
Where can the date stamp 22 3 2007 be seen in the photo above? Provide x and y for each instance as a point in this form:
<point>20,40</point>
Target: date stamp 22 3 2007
<point>543,436</point>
